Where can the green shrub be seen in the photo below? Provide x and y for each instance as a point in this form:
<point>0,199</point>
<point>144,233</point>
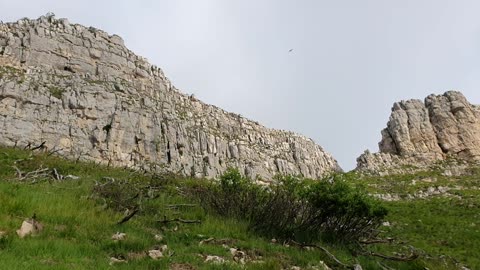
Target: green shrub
<point>232,196</point>
<point>5,241</point>
<point>295,208</point>
<point>337,209</point>
<point>121,195</point>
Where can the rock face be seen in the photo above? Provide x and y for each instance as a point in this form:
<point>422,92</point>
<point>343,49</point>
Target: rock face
<point>88,97</point>
<point>421,133</point>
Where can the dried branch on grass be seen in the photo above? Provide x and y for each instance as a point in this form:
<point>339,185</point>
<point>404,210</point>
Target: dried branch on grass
<point>177,206</point>
<point>129,216</point>
<point>330,255</point>
<point>41,174</point>
<point>401,258</point>
<point>376,241</point>
<point>213,241</point>
<point>179,220</point>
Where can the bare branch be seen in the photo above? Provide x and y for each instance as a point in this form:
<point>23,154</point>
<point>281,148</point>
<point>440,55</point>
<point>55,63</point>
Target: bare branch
<point>128,217</point>
<point>41,146</point>
<point>408,258</point>
<point>19,173</point>
<point>165,221</point>
<point>56,175</point>
<point>376,241</point>
<point>176,206</point>
<point>53,151</point>
<point>325,251</point>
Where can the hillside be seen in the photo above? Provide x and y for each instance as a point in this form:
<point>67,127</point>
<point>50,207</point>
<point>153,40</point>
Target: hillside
<point>440,225</point>
<point>104,164</point>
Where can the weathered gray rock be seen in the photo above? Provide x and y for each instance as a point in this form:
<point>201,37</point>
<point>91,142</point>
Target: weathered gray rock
<point>119,236</point>
<point>29,227</point>
<point>155,254</point>
<point>114,261</point>
<point>86,95</point>
<point>420,134</point>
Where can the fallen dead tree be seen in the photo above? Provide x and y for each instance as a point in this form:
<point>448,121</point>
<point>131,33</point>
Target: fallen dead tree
<point>41,174</point>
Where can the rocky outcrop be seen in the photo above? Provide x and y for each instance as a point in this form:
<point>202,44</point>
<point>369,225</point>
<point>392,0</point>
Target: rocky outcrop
<point>422,133</point>
<point>84,94</point>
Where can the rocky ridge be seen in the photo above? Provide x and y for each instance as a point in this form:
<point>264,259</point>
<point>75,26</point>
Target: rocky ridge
<point>84,95</point>
<point>422,134</point>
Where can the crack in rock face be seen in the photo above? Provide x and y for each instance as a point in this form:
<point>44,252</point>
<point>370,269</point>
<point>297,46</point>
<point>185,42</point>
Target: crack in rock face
<point>88,97</point>
<point>420,134</point>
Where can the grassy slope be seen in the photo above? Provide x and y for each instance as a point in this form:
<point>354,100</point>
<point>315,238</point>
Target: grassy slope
<point>78,229</point>
<point>446,228</point>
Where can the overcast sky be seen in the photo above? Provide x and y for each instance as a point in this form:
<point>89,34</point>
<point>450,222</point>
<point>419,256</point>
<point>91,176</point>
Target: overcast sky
<point>350,61</point>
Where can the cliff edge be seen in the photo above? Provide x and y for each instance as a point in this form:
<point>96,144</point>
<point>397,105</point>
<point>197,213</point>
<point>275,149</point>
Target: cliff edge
<point>84,95</point>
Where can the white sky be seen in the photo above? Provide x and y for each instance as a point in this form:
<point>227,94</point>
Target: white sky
<point>351,59</point>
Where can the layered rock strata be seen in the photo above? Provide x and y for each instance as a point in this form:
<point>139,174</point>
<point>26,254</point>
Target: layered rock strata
<point>88,97</point>
<point>420,134</point>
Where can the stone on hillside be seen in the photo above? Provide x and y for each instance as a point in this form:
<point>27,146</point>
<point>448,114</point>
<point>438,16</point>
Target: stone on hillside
<point>114,260</point>
<point>29,227</point>
<point>357,267</point>
<point>323,266</point>
<point>214,259</point>
<point>163,248</point>
<point>119,236</point>
<point>158,237</point>
<point>155,254</point>
<point>238,255</point>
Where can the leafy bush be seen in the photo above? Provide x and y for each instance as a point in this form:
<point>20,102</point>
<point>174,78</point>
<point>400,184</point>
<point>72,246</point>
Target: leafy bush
<point>295,208</point>
<point>122,195</point>
<point>119,195</point>
<point>337,209</point>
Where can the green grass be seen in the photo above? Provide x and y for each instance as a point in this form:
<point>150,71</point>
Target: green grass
<point>78,227</point>
<point>56,91</point>
<point>445,227</point>
<point>439,226</point>
<point>9,72</point>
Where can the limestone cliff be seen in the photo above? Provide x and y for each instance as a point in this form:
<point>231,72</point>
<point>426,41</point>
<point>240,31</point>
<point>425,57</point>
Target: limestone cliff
<point>84,94</point>
<point>421,133</point>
